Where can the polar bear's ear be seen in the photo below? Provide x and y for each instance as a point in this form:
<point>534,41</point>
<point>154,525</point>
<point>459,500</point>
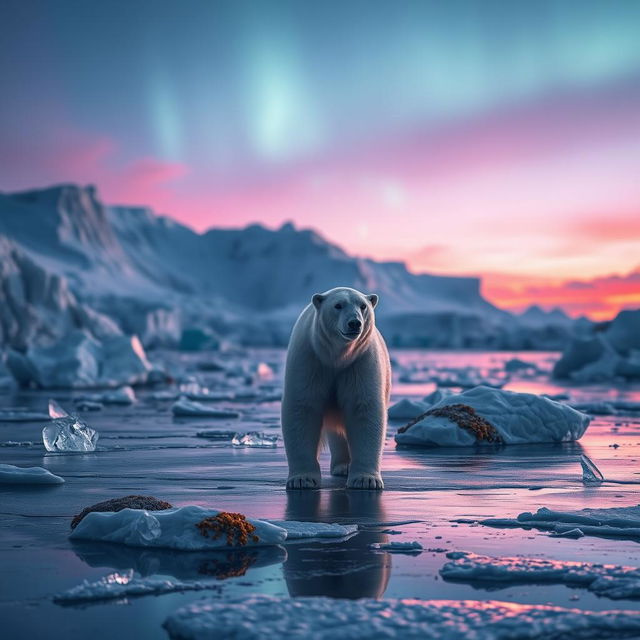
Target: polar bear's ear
<point>373,299</point>
<point>317,300</point>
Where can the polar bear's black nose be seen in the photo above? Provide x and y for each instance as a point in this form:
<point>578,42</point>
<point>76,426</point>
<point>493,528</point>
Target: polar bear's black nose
<point>355,325</point>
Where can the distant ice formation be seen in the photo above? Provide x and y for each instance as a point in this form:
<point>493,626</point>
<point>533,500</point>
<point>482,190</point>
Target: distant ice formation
<point>496,416</point>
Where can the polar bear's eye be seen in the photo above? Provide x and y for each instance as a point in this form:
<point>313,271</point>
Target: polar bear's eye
<point>363,306</point>
<point>338,306</point>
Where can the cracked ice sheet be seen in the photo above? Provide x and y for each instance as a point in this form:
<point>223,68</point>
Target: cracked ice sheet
<point>623,522</point>
<point>612,581</point>
<point>330,619</point>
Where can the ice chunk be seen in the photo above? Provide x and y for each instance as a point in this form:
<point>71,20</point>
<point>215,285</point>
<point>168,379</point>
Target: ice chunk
<point>9,474</point>
<point>324,618</point>
<point>572,533</point>
<point>67,433</point>
<point>55,410</point>
<point>254,439</point>
<point>299,530</point>
<point>88,405</point>
<point>487,414</point>
<point>616,522</point>
<point>170,529</point>
<point>123,395</point>
<point>216,434</point>
<point>121,584</point>
<point>515,364</point>
<point>186,407</point>
<point>609,580</point>
<point>165,394</point>
<point>195,391</point>
<point>591,475</point>
<point>406,409</point>
<point>397,547</point>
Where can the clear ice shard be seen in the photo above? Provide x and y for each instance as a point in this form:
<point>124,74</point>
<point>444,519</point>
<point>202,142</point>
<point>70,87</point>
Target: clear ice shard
<point>254,439</point>
<point>591,475</point>
<point>67,433</point>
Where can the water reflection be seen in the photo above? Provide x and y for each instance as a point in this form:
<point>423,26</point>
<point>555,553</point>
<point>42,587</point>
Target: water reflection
<point>183,565</point>
<point>346,569</point>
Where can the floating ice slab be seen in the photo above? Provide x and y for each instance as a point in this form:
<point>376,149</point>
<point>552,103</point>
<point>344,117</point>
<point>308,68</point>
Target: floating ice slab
<point>66,432</point>
<point>609,580</point>
<point>169,529</point>
<point>617,522</point>
<point>397,547</point>
<point>255,439</point>
<point>406,409</point>
<point>332,619</point>
<point>122,584</point>
<point>185,407</point>
<point>517,418</point>
<point>297,530</point>
<point>10,474</point>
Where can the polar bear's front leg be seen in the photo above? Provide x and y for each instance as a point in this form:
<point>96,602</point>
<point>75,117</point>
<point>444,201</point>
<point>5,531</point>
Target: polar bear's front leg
<point>301,427</point>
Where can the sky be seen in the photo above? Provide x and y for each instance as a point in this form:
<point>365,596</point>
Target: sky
<point>490,138</point>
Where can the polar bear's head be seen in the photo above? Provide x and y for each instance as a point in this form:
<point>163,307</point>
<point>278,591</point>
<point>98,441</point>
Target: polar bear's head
<point>345,314</point>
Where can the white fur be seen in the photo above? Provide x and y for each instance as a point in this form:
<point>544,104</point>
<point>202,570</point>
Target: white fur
<point>337,384</point>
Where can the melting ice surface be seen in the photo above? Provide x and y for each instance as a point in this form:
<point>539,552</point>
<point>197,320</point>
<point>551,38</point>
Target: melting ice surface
<point>327,619</point>
<point>66,432</point>
<point>254,439</point>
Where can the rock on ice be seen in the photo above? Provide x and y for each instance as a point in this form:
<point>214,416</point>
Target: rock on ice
<point>9,474</point>
<point>331,619</point>
<point>516,418</point>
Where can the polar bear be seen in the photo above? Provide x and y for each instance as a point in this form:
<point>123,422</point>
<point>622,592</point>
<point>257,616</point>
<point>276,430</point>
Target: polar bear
<point>337,383</point>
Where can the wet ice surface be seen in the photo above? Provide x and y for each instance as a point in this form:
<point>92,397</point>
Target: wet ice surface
<point>144,449</point>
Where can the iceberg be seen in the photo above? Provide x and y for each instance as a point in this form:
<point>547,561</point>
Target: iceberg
<point>178,528</point>
<point>255,439</point>
<point>485,415</point>
<point>615,522</point>
<point>66,432</point>
<point>78,360</point>
<point>184,407</point>
<point>608,580</point>
<point>330,618</point>
<point>10,474</point>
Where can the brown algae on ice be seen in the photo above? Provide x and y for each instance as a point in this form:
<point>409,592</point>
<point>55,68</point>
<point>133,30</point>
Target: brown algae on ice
<point>234,525</point>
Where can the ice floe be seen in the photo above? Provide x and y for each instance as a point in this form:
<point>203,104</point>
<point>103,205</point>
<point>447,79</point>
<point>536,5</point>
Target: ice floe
<point>611,581</point>
<point>10,474</point>
<point>189,408</point>
<point>397,547</point>
<point>513,418</point>
<point>615,522</point>
<point>67,432</point>
<point>406,409</point>
<point>332,619</point>
<point>177,528</point>
<point>122,584</point>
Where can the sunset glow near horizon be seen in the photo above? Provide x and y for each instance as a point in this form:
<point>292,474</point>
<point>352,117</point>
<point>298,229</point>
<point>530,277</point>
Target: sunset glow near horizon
<point>495,139</point>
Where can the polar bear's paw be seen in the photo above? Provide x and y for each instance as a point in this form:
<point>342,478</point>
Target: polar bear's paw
<point>304,481</point>
<point>340,469</point>
<point>365,481</point>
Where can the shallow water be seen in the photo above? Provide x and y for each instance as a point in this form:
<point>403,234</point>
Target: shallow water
<point>144,449</point>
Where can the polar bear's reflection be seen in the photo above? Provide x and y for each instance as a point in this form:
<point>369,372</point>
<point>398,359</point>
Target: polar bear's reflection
<point>346,569</point>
